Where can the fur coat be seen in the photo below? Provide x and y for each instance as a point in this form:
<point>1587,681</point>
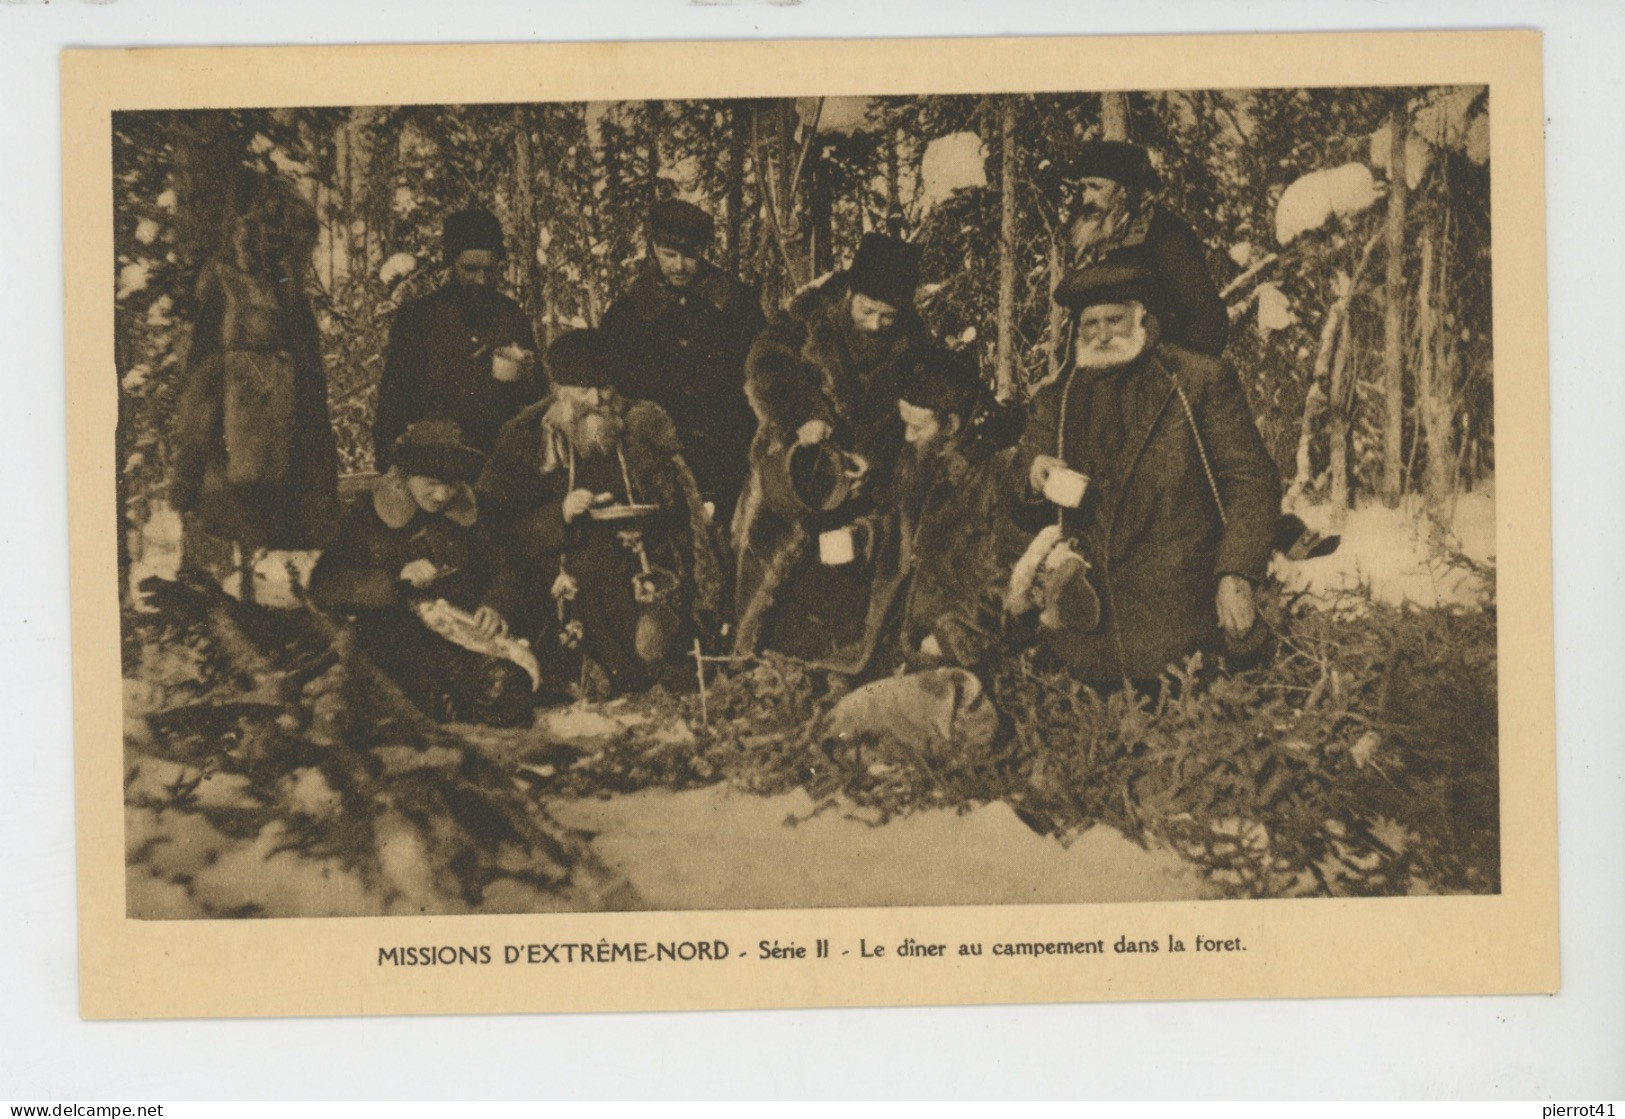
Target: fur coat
<point>803,367</point>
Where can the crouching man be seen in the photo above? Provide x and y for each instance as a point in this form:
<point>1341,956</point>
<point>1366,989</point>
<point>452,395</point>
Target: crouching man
<point>605,519</point>
<point>429,587</point>
<point>1161,499</point>
<point>943,542</point>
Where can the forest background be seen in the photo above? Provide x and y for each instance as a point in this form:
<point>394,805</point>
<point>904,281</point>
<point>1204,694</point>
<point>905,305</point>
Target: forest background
<point>1348,230</point>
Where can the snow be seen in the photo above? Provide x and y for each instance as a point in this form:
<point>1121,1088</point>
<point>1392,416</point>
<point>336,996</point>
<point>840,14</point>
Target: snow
<point>1309,202</point>
<point>146,231</point>
<point>717,848</point>
<point>280,578</point>
<point>1274,309</point>
<point>1400,557</point>
<point>136,377</point>
<point>844,114</point>
<point>952,162</point>
<point>133,277</point>
<point>156,548</point>
<point>1418,154</point>
<point>1241,253</point>
<point>397,267</point>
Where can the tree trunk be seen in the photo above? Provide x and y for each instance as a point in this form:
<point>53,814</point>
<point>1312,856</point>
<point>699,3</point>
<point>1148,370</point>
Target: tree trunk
<point>1005,369</point>
<point>524,207</point>
<point>1114,116</point>
<point>654,110</point>
<point>1393,418</point>
<point>737,146</point>
<point>1339,422</point>
<point>1434,394</point>
<point>1056,341</point>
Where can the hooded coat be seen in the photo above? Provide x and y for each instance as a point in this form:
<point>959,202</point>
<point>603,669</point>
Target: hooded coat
<point>684,349</point>
<point>248,328</point>
<point>1150,523</point>
<point>804,367</point>
<point>437,363</point>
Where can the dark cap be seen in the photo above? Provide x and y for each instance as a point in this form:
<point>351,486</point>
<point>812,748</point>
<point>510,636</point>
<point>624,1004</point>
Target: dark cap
<point>471,229</point>
<point>946,382</point>
<point>886,269</point>
<point>1107,283</point>
<point>584,358</point>
<point>682,226</point>
<point>1111,159</point>
<point>435,449</point>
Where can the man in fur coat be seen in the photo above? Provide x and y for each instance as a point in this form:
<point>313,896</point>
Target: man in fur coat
<point>944,542</point>
<point>683,330</point>
<point>1179,510</point>
<point>1115,218</point>
<point>825,372</point>
<point>594,495</point>
<point>464,352</point>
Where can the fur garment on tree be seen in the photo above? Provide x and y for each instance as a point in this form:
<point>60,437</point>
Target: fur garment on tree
<point>806,366</point>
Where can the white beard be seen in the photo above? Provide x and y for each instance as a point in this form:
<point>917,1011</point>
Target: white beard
<point>591,431</point>
<point>1115,352</point>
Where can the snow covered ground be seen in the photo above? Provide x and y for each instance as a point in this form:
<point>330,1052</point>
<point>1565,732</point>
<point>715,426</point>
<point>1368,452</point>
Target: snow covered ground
<point>1400,557</point>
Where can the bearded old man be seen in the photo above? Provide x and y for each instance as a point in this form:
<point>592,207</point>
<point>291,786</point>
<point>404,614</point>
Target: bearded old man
<point>824,374</point>
<point>683,329</point>
<point>464,352</point>
<point>1145,458</point>
<point>1114,217</point>
<point>600,507</point>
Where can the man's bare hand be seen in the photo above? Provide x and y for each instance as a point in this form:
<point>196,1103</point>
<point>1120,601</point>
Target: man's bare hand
<point>1237,610</point>
<point>488,623</point>
<point>813,431</point>
<point>577,502</point>
<point>420,573</point>
<point>1043,466</point>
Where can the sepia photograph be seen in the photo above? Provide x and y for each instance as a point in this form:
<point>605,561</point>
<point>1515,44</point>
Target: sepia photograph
<point>1018,498</point>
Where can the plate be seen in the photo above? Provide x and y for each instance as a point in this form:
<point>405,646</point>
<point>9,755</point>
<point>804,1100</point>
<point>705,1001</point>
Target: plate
<point>621,512</point>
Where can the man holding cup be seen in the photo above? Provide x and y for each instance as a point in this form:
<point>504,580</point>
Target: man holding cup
<point>465,352</point>
<point>1146,458</point>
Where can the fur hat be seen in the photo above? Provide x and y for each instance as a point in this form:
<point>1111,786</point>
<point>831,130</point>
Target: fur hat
<point>946,382</point>
<point>1107,283</point>
<point>435,449</point>
<point>584,358</point>
<point>1111,159</point>
<point>680,225</point>
<point>471,229</point>
<point>886,269</point>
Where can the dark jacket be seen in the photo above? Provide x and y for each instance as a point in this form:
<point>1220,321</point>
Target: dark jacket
<point>1191,313</point>
<point>382,532</point>
<point>245,321</point>
<point>803,367</point>
<point>685,351</point>
<point>438,364</point>
<point>1149,522</point>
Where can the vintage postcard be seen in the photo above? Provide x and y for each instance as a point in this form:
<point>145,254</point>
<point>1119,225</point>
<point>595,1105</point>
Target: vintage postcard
<point>656,526</point>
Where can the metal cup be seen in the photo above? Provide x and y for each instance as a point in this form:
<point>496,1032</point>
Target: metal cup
<point>1066,487</point>
<point>508,363</point>
<point>835,547</point>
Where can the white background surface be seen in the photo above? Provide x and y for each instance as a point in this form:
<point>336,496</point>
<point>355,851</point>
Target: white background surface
<point>1571,1046</point>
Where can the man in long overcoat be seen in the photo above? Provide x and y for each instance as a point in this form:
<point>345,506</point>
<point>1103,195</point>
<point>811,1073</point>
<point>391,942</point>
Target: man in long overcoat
<point>464,352</point>
<point>597,502</point>
<point>1180,509</point>
<point>1114,217</point>
<point>826,371</point>
<point>683,329</point>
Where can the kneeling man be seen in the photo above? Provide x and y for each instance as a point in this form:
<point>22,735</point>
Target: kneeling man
<point>1146,459</point>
